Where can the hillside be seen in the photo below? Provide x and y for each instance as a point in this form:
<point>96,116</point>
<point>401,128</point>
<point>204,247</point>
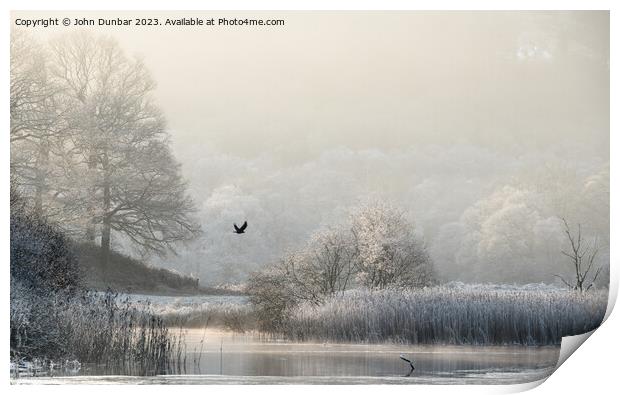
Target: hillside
<point>126,274</point>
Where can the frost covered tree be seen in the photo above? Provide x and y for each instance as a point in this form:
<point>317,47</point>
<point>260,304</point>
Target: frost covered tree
<point>515,234</point>
<point>387,252</point>
<point>126,178</point>
<point>510,235</point>
<point>37,124</point>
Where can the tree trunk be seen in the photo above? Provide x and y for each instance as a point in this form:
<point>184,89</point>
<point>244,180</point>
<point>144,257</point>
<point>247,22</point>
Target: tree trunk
<point>105,230</point>
<point>90,230</point>
<point>41,168</point>
<point>105,247</point>
<point>38,199</point>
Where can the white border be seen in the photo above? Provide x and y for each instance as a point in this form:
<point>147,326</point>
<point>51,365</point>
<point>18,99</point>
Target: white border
<point>591,370</point>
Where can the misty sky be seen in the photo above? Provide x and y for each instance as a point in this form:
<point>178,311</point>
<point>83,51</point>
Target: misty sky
<point>444,109</point>
<point>377,80</point>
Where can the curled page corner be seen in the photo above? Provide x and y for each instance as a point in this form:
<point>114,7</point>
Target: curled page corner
<point>570,344</point>
<point>517,388</point>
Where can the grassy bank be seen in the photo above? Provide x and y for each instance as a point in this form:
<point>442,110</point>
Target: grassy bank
<point>448,315</point>
<point>125,274</point>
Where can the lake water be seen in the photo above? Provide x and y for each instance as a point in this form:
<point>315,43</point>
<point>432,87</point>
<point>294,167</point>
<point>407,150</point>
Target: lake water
<point>220,357</point>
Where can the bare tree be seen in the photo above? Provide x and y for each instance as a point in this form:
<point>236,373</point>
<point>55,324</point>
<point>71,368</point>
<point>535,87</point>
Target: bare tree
<point>127,179</point>
<point>37,126</point>
<point>148,202</point>
<point>582,255</point>
<point>30,89</point>
<point>303,282</point>
<point>329,264</point>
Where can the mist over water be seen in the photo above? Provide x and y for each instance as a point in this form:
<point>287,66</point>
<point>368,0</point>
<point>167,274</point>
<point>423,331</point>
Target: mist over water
<point>247,355</point>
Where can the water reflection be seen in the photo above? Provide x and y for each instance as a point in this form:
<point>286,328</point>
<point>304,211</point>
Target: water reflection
<point>223,353</point>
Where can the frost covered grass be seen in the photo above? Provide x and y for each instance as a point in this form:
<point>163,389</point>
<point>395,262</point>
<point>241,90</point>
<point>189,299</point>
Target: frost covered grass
<point>481,315</point>
<point>91,328</point>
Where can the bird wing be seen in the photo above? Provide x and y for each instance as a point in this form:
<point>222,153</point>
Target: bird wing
<point>245,225</point>
<point>236,228</point>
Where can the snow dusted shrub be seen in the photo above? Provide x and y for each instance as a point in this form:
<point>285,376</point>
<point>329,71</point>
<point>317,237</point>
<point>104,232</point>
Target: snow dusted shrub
<point>386,249</point>
<point>41,255</point>
<point>42,268</point>
<point>449,315</point>
<point>38,326</point>
<point>272,295</point>
<point>30,335</point>
<point>304,276</point>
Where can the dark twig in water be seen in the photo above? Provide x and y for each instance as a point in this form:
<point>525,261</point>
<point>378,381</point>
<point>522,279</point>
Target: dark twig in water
<point>410,364</point>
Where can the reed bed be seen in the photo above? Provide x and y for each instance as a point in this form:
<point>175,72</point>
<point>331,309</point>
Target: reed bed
<point>96,328</point>
<point>124,334</point>
<point>475,315</point>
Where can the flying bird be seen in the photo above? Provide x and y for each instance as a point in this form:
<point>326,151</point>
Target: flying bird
<point>410,364</point>
<point>240,230</point>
